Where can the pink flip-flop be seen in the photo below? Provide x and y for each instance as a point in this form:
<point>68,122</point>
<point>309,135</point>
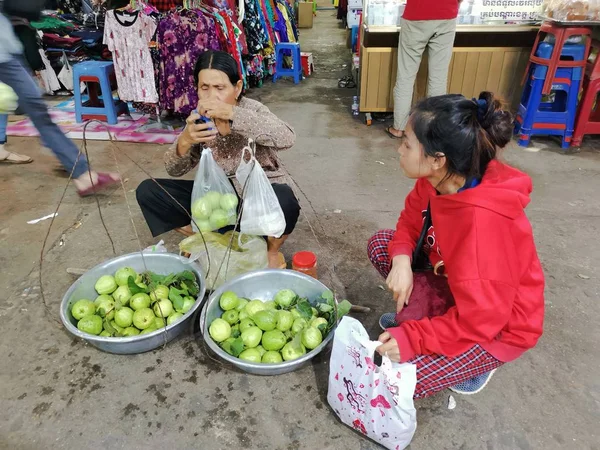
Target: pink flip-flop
<point>104,181</point>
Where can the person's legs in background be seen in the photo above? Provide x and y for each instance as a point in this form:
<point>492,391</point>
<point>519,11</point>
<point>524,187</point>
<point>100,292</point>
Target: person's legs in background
<point>6,156</point>
<point>439,50</point>
<point>414,36</point>
<point>16,76</point>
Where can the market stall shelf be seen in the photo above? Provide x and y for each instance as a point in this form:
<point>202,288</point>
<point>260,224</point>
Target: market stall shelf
<point>485,57</point>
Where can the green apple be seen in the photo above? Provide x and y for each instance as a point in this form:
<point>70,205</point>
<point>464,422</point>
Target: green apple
<point>188,302</point>
<point>143,318</point>
<point>219,219</point>
<point>105,333</point>
<point>201,209</point>
<point>251,337</point>
<point>175,317</point>
<point>106,308</point>
<point>149,330</point>
<point>246,323</point>
<point>285,320</point>
<point>160,292</point>
<point>139,301</point>
<point>124,317</point>
<point>250,354</point>
<point>214,199</point>
<point>315,323</point>
<point>230,317</point>
<point>83,308</point>
<point>159,322</point>
<point>272,357</point>
<point>130,331</point>
<point>123,274</point>
<point>229,300</point>
<point>292,351</point>
<point>90,324</point>
<point>102,298</point>
<point>203,225</point>
<point>163,308</point>
<point>122,295</point>
<point>229,202</point>
<point>114,326</point>
<point>311,338</point>
<point>219,330</point>
<point>105,285</point>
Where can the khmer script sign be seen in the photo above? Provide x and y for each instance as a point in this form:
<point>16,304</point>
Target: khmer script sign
<point>510,9</point>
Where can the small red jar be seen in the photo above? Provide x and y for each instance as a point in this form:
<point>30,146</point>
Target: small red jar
<point>306,263</point>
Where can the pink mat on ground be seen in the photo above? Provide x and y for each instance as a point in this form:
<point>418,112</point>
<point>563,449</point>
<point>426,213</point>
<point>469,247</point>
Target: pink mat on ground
<point>141,129</point>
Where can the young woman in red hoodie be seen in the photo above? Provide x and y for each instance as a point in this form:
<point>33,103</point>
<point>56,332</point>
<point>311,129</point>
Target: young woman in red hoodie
<point>482,305</point>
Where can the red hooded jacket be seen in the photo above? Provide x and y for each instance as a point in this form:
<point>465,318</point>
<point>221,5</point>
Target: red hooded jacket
<point>486,243</point>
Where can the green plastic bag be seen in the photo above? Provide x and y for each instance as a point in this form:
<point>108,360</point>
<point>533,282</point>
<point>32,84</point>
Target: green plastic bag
<point>248,253</point>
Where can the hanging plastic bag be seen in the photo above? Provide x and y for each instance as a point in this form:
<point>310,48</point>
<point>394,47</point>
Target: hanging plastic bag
<point>376,401</point>
<point>66,73</point>
<point>261,213</point>
<point>214,201</point>
<point>247,253</point>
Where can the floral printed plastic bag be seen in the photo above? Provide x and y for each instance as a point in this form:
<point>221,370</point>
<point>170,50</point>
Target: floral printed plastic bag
<point>376,401</point>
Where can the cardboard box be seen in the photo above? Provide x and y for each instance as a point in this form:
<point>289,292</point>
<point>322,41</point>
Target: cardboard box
<point>305,14</point>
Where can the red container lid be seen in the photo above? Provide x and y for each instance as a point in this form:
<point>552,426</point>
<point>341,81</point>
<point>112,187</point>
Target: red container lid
<point>304,260</point>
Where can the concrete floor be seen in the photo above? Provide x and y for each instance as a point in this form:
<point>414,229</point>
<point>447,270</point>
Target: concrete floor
<point>58,393</point>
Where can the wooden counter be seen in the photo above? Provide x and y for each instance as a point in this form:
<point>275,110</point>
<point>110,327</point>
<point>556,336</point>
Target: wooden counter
<point>485,57</point>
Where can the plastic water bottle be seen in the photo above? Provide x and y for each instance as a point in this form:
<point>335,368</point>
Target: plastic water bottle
<point>355,106</point>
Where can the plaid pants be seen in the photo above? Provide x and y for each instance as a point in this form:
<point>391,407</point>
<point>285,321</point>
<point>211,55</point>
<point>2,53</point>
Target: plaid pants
<point>434,372</point>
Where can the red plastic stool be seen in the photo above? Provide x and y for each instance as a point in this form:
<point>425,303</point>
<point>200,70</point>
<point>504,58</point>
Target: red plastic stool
<point>588,116</point>
<point>561,35</point>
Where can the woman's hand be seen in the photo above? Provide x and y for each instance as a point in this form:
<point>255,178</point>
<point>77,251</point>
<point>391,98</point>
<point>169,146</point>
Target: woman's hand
<point>400,281</point>
<point>216,109</point>
<point>389,347</point>
<point>195,133</point>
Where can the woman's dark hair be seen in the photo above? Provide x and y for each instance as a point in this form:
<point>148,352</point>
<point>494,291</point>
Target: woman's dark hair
<point>221,61</point>
<point>467,132</point>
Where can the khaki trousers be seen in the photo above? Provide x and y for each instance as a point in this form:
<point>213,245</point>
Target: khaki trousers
<point>437,36</point>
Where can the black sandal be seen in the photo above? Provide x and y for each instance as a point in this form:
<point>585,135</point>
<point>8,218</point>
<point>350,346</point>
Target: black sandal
<point>347,82</point>
<point>392,135</point>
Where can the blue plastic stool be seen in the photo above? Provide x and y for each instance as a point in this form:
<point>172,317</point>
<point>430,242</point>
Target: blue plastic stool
<point>550,118</point>
<point>96,107</point>
<point>296,70</point>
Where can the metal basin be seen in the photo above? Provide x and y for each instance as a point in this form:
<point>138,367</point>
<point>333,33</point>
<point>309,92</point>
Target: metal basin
<point>160,263</point>
<point>263,285</point>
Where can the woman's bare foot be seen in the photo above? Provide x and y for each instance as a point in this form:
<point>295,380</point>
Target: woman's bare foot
<point>187,231</point>
<point>13,158</point>
<point>276,260</point>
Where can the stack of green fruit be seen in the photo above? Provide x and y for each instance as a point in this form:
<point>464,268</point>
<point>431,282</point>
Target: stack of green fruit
<point>129,304</point>
<point>282,329</point>
<point>214,211</point>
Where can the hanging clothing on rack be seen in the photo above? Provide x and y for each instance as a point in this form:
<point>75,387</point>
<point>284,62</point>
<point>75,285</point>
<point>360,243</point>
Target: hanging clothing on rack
<point>182,36</point>
<point>165,5</point>
<point>289,18</point>
<point>127,35</point>
<point>255,33</point>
